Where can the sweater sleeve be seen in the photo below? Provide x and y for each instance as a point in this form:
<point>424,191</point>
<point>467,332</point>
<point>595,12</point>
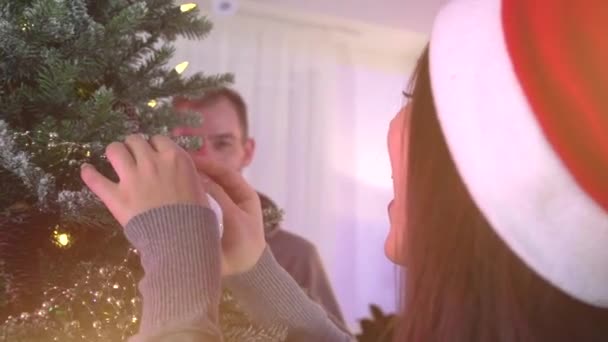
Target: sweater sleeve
<point>179,247</point>
<point>270,295</point>
<point>318,286</point>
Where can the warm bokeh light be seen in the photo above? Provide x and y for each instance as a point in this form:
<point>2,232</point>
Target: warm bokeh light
<point>62,239</point>
<point>181,67</point>
<point>187,7</point>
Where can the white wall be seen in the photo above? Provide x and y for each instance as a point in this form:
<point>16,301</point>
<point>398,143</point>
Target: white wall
<point>321,93</point>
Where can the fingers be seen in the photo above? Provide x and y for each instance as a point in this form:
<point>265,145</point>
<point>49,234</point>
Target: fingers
<point>162,143</point>
<point>104,188</point>
<point>219,195</point>
<point>120,158</point>
<point>230,181</point>
<point>139,147</point>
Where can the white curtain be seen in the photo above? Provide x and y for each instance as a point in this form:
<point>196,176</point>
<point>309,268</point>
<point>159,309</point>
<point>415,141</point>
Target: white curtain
<point>319,109</point>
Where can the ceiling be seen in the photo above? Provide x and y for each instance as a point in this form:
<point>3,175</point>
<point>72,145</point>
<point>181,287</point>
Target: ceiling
<point>409,15</point>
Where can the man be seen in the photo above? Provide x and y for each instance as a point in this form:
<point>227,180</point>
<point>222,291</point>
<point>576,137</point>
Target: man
<point>225,135</point>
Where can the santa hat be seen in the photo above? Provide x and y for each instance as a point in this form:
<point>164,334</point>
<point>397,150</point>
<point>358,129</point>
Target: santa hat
<point>521,90</point>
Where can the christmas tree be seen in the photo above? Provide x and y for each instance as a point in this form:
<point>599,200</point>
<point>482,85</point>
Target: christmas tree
<point>76,75</point>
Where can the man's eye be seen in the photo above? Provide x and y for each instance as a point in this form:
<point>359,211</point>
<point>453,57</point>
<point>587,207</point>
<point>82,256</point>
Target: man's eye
<point>221,144</point>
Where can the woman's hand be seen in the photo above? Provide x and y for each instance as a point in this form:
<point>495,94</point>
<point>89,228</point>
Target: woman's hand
<point>152,174</point>
<point>157,173</point>
<point>243,239</point>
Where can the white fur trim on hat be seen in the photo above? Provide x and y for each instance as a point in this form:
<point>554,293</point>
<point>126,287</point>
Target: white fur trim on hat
<point>510,169</point>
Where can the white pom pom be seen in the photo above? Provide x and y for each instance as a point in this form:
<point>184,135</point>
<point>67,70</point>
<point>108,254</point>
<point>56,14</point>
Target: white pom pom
<point>218,212</point>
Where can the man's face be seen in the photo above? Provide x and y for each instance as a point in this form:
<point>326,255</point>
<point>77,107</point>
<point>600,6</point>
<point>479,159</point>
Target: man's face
<point>222,135</point>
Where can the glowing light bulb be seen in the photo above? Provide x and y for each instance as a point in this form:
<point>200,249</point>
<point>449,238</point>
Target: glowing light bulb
<point>152,103</point>
<point>187,7</point>
<point>181,67</point>
<point>26,26</point>
<point>62,239</point>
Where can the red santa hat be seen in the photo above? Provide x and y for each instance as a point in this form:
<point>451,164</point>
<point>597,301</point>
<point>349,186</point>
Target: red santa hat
<point>521,90</point>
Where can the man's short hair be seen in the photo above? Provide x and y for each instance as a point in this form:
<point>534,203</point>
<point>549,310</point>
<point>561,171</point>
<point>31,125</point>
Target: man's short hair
<point>236,100</point>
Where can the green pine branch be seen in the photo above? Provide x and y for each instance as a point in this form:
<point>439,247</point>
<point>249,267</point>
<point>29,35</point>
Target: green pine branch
<point>76,75</point>
<point>81,69</point>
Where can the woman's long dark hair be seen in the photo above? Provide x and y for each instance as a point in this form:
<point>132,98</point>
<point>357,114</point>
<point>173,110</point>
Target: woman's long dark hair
<point>463,284</point>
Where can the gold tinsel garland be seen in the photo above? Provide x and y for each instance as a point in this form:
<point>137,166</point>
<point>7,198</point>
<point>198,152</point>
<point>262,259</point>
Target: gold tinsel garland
<point>104,305</point>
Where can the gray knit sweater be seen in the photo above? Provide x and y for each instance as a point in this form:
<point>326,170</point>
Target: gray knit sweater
<point>179,246</point>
